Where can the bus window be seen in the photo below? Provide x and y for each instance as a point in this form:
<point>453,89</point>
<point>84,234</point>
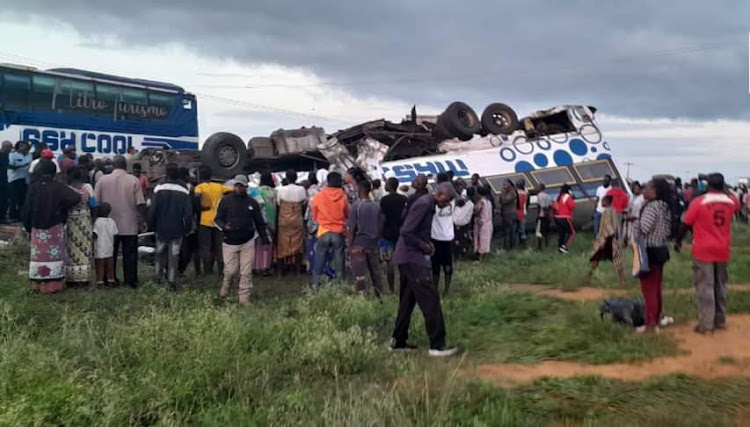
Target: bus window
<point>134,96</point>
<point>161,99</point>
<point>554,177</point>
<point>496,182</point>
<point>108,93</point>
<point>43,88</point>
<point>594,171</point>
<point>16,91</point>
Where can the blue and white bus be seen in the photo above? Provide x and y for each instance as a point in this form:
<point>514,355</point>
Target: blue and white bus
<point>96,113</point>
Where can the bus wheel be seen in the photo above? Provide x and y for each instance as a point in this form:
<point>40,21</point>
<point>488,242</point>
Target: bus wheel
<point>460,121</point>
<point>499,119</point>
<point>225,153</point>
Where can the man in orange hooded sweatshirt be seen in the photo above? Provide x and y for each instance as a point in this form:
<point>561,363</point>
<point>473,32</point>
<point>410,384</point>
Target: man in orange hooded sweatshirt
<point>330,209</point>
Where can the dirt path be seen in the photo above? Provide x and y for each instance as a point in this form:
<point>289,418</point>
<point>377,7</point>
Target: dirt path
<point>723,354</point>
<point>590,293</point>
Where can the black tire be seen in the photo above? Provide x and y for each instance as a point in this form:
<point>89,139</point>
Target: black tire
<point>225,153</point>
<point>499,119</point>
<point>460,121</point>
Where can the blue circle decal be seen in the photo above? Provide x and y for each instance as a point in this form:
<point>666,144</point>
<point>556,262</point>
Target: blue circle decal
<point>578,147</point>
<point>562,158</point>
<point>524,166</point>
<point>541,160</point>
<point>603,156</point>
<point>507,154</point>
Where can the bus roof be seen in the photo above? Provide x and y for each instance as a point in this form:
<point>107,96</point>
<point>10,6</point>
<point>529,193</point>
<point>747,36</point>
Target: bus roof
<point>113,78</point>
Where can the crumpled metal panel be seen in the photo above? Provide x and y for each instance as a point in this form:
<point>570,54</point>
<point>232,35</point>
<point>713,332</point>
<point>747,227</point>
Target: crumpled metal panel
<point>370,154</point>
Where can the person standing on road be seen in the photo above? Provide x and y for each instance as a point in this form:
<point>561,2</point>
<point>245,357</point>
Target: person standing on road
<point>564,208</point>
<point>544,203</point>
<point>171,218</point>
<point>601,191</point>
<point>412,256</point>
<point>710,217</point>
<point>653,228</point>
<point>5,149</point>
<point>209,236</point>
<point>330,209</point>
<point>392,207</point>
<point>18,177</point>
<point>239,217</point>
<point>362,238</point>
<point>123,193</point>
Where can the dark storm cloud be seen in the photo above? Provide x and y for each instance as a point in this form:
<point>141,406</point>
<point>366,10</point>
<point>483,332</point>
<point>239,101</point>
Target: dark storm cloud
<point>637,58</point>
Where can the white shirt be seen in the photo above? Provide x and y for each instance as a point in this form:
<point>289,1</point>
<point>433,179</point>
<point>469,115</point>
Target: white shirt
<point>32,166</point>
<point>636,204</point>
<point>442,223</point>
<point>291,193</point>
<point>600,193</point>
<point>105,230</point>
<point>462,214</point>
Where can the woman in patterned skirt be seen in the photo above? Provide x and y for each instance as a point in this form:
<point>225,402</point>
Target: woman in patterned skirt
<point>47,205</point>
<point>79,242</point>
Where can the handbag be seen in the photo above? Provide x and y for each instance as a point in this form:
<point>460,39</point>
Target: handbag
<point>658,255</point>
<point>640,258</point>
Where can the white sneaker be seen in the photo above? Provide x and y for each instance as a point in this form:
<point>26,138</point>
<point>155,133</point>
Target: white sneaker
<point>444,351</point>
<point>563,250</point>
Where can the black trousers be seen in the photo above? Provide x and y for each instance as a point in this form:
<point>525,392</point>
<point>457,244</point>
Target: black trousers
<point>189,251</point>
<point>209,240</point>
<point>417,288</point>
<point>17,197</point>
<point>4,197</point>
<point>443,257</point>
<point>129,258</point>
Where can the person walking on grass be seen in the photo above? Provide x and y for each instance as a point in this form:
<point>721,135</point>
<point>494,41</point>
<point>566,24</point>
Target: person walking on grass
<point>239,217</point>
<point>330,209</point>
<point>412,256</point>
<point>78,230</point>
<point>564,208</point>
<point>209,236</point>
<point>392,207</point>
<point>105,233</point>
<point>607,242</point>
<point>123,193</point>
<point>653,228</point>
<point>509,214</point>
<point>710,217</point>
<point>362,238</point>
<point>543,215</point>
<point>521,209</point>
<point>171,218</point>
<point>601,191</point>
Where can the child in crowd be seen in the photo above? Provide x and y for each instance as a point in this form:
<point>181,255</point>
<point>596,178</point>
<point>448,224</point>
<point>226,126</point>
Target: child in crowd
<point>105,231</point>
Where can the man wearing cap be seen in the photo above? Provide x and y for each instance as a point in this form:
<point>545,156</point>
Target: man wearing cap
<point>238,216</point>
<point>47,154</point>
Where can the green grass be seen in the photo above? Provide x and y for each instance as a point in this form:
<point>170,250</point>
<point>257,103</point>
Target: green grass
<point>150,357</point>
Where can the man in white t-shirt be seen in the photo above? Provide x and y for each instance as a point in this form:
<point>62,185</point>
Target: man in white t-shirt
<point>601,191</point>
<point>442,234</point>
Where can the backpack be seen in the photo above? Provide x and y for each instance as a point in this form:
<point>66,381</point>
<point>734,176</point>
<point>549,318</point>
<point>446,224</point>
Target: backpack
<point>624,311</point>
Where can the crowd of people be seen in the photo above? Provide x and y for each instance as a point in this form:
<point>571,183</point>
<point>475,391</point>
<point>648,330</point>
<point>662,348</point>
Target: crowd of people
<point>82,213</point>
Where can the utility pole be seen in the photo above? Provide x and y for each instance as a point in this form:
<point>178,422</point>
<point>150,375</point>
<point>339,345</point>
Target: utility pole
<point>627,171</point>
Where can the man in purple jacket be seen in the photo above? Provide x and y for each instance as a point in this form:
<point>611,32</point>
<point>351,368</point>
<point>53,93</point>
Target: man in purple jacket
<point>412,256</point>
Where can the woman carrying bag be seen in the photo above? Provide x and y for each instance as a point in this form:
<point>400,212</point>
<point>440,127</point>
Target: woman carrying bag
<point>654,227</point>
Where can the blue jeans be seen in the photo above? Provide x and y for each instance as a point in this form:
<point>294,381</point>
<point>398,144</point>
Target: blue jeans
<point>597,222</point>
<point>521,229</point>
<point>328,242</point>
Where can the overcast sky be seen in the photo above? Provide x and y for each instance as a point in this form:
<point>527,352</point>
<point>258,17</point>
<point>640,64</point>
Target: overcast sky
<point>670,79</point>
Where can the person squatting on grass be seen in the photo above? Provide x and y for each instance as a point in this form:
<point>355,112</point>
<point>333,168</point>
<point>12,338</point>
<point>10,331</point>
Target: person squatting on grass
<point>412,256</point>
<point>564,206</point>
<point>238,216</point>
<point>710,217</point>
<point>654,228</point>
<point>171,219</point>
<point>607,242</point>
<point>363,240</point>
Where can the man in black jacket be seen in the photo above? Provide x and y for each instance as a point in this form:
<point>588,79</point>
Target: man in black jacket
<point>239,217</point>
<point>171,218</point>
